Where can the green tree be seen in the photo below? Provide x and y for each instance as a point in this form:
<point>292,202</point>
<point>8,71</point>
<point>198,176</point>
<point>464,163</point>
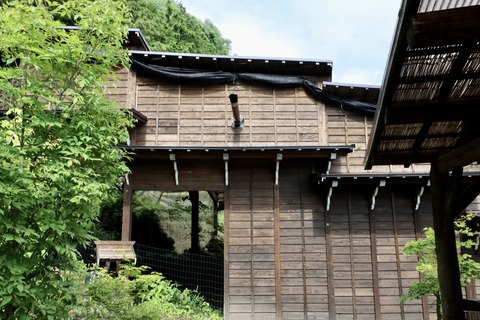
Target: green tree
<point>424,249</point>
<point>169,27</point>
<point>58,160</point>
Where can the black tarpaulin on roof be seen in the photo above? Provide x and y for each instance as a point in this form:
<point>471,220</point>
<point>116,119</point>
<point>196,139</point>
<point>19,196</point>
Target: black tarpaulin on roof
<point>196,76</point>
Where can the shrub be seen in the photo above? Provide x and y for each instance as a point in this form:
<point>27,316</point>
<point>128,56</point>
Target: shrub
<point>136,294</point>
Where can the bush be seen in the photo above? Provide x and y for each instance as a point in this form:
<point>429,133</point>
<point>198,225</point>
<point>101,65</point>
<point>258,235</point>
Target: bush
<point>136,294</point>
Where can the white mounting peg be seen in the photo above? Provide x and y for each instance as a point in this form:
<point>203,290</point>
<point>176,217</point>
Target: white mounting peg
<point>226,158</point>
<point>330,191</point>
<point>333,156</point>
<point>419,195</point>
<point>375,193</point>
<point>277,167</point>
<point>175,168</point>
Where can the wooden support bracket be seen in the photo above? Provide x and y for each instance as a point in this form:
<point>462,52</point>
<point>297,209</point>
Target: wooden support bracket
<point>330,191</point>
<point>419,195</point>
<point>175,167</point>
<point>333,156</point>
<point>375,193</point>
<point>225,159</point>
<point>277,167</point>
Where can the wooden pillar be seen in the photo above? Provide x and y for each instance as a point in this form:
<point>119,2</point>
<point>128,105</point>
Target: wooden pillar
<point>127,213</point>
<point>444,199</point>
<point>195,235</point>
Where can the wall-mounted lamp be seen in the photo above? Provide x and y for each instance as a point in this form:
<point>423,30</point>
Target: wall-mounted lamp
<point>237,120</point>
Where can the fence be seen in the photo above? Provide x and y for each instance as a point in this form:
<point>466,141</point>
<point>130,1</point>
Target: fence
<point>200,272</point>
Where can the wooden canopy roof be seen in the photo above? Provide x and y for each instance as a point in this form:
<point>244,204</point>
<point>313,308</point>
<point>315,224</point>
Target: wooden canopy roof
<point>430,101</point>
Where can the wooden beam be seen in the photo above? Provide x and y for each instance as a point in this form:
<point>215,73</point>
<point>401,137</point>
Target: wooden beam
<point>471,305</point>
<point>444,192</point>
<point>278,262</point>
<point>460,157</point>
<point>127,212</point>
<point>195,232</point>
<point>421,136</point>
<point>443,27</point>
<point>432,110</point>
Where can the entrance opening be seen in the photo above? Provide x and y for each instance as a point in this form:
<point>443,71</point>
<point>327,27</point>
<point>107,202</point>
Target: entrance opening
<point>180,235</point>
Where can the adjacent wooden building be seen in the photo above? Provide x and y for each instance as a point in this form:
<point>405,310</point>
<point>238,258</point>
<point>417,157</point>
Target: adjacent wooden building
<point>309,233</point>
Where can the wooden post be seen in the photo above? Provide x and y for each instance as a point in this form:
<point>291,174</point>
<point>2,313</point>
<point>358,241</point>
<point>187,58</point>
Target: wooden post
<point>127,213</point>
<point>444,195</point>
<point>195,240</point>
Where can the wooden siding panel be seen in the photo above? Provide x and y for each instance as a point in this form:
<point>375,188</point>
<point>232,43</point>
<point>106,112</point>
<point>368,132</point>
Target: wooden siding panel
<point>251,239</point>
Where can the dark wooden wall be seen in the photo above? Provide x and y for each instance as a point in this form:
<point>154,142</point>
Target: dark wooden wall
<point>290,259</point>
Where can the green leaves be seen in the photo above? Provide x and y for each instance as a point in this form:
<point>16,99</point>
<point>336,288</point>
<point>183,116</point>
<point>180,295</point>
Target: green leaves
<point>424,249</point>
<point>58,154</point>
<point>137,294</point>
<point>168,27</point>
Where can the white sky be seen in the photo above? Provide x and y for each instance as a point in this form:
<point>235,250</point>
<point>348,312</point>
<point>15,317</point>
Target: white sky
<point>355,34</point>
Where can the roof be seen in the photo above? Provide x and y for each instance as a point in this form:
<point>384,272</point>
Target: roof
<point>240,152</point>
<point>236,64</point>
<point>430,100</point>
<point>137,40</point>
<point>364,93</point>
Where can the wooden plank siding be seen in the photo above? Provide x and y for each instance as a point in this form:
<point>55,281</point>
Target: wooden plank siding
<point>355,281</point>
<point>199,116</point>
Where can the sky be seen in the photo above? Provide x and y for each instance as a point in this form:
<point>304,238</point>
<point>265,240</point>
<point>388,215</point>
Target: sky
<point>355,35</point>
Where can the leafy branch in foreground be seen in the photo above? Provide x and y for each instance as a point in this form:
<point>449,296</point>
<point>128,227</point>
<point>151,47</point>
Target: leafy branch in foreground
<point>424,249</point>
<point>58,160</point>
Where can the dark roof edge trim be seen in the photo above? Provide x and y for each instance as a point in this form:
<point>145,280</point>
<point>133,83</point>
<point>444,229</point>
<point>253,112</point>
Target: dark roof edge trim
<point>386,176</point>
<point>346,149</point>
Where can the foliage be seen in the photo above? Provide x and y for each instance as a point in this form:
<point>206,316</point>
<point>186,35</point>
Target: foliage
<point>424,249</point>
<point>58,160</point>
<point>167,26</point>
<point>134,294</point>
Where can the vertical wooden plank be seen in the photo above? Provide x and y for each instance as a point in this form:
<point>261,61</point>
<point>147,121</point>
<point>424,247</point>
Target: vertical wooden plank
<point>346,142</point>
<point>397,253</point>
<point>376,285</point>
<point>157,120</point>
<point>226,251</point>
<point>302,220</point>
<point>332,314</point>
<point>297,134</point>
<point>131,91</point>
<point>195,224</point>
<point>278,276</point>
<point>274,115</point>
<point>250,131</point>
<point>252,273</point>
<point>202,139</point>
<point>127,213</point>
<point>352,261</point>
<point>179,105</point>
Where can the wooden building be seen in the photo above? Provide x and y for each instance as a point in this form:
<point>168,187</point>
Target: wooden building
<point>309,233</point>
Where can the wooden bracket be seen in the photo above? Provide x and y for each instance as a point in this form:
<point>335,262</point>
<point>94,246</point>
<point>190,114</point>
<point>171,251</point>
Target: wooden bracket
<point>375,193</point>
<point>330,191</point>
<point>277,167</point>
<point>226,158</point>
<point>175,167</point>
<point>419,195</point>
<point>333,156</point>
